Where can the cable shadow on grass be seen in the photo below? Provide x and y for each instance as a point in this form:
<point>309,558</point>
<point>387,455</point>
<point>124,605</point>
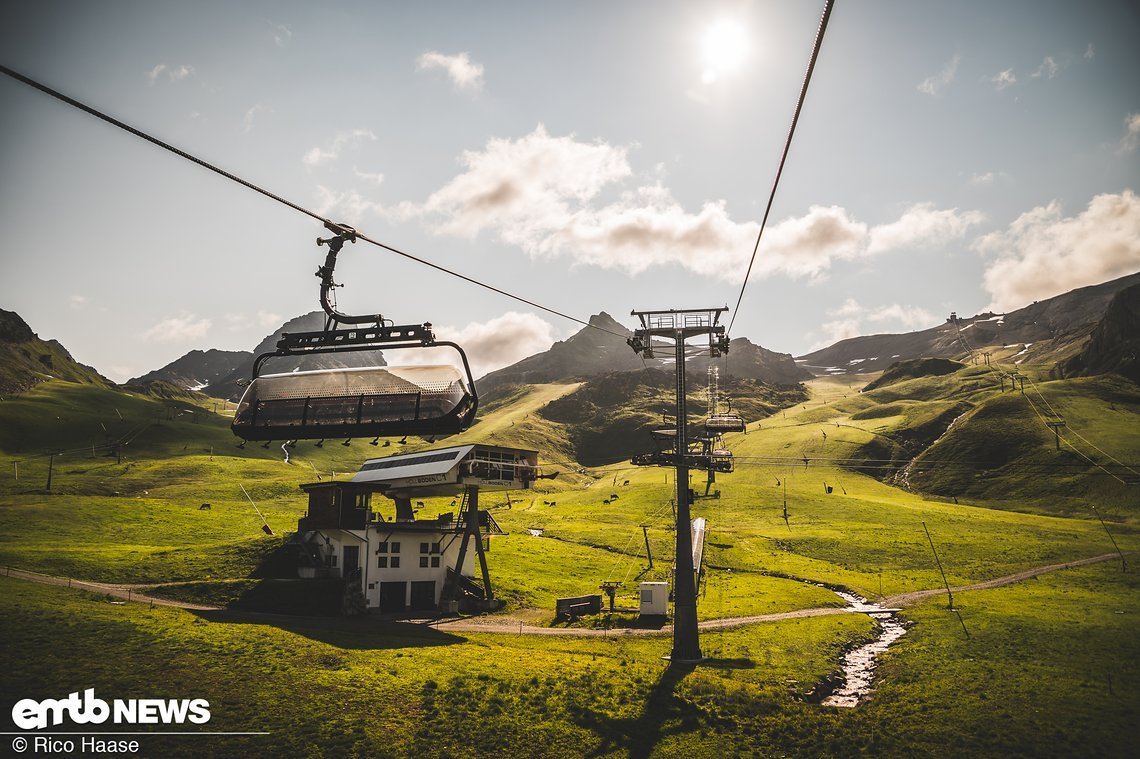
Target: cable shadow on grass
<point>356,633</point>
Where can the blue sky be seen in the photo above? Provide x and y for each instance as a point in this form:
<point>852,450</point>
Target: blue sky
<point>589,155</point>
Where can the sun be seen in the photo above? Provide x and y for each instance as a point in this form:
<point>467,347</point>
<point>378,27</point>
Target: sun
<point>724,48</point>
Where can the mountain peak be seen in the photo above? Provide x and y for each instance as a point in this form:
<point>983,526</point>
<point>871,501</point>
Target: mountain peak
<point>26,360</point>
<point>604,321</point>
<point>13,329</point>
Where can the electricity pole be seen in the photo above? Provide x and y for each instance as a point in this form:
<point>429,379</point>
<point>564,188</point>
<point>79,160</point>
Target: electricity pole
<point>678,326</point>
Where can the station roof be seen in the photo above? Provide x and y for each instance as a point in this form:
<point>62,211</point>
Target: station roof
<point>424,463</point>
<point>447,471</point>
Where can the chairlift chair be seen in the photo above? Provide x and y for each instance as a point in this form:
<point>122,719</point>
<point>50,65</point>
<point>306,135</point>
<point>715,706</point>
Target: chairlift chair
<point>386,401</point>
<point>721,460</point>
<point>718,424</point>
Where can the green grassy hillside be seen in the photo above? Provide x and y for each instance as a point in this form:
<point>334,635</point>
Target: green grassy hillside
<point>26,360</point>
<point>335,686</point>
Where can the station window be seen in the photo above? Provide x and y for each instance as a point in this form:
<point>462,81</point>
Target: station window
<point>423,547</point>
<point>382,547</point>
<point>435,547</point>
<point>395,561</point>
<point>394,548</point>
<point>423,561</point>
<point>435,561</point>
<point>381,562</point>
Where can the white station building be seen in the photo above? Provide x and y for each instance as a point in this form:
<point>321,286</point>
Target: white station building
<point>406,563</point>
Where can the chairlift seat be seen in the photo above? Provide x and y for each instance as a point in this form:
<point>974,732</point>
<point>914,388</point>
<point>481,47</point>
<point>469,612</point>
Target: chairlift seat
<point>721,423</point>
<point>361,402</point>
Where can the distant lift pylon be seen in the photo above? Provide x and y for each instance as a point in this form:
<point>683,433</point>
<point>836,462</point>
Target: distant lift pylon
<point>355,402</point>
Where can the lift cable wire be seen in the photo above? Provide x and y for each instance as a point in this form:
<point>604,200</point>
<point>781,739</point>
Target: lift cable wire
<point>994,368</point>
<point>1079,452</point>
<point>632,559</point>
<point>784,156</point>
<point>206,165</point>
<point>1036,386</point>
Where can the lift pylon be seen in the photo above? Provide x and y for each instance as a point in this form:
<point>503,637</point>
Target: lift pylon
<point>679,326</point>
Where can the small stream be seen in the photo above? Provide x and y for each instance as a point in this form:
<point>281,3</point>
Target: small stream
<point>859,663</point>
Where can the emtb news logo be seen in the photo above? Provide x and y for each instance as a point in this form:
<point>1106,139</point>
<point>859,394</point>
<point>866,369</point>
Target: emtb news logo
<point>29,714</point>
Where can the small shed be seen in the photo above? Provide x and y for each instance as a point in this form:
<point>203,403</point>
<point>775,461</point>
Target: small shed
<point>654,599</point>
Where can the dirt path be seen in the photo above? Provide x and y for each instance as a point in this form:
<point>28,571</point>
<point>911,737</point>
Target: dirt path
<point>134,593</point>
<point>905,599</point>
<point>506,625</point>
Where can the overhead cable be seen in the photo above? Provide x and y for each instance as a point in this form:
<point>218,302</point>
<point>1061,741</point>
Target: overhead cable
<point>250,185</point>
<point>784,156</point>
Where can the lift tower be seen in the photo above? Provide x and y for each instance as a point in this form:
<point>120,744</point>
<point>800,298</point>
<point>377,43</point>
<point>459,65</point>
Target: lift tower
<point>679,326</point>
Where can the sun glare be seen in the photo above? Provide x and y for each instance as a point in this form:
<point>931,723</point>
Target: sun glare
<point>724,47</point>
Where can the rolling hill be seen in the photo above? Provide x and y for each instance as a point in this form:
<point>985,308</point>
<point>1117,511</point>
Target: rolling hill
<point>198,369</point>
<point>229,385</point>
<point>1115,343</point>
<point>26,360</point>
<point>1034,649</point>
<point>601,349</point>
<point>1047,331</point>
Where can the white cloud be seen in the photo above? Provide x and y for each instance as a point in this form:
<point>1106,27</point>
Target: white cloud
<point>178,329</point>
<point>935,83</point>
<point>1131,137</point>
<point>546,194</point>
<point>1003,79</point>
<point>281,34</point>
<point>119,372</point>
<point>526,187</point>
<point>464,74</point>
<point>180,73</point>
<point>852,317</point>
<point>489,345</point>
<point>1090,51</point>
<point>922,224</point>
<point>317,156</point>
<point>247,121</point>
<point>850,307</point>
<point>806,246</point>
<point>989,178</point>
<point>368,176</point>
<point>174,74</point>
<point>78,301</point>
<point>236,322</point>
<point>349,206</point>
<point>1048,68</point>
<point>1043,254</point>
<point>911,317</point>
<point>834,331</point>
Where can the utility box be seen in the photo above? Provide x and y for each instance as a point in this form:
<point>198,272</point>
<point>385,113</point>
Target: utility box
<point>654,599</point>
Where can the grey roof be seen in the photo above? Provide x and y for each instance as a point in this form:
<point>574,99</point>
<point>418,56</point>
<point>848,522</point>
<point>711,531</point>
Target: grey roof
<point>403,466</point>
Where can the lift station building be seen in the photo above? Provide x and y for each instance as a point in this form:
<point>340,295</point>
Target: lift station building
<point>410,561</point>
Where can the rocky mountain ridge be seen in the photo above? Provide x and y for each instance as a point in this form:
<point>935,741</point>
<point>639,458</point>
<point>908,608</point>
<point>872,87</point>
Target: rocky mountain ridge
<point>1046,331</point>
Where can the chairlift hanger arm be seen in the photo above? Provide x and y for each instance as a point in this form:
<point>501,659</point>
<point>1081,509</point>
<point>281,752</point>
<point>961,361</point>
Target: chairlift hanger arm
<point>342,233</point>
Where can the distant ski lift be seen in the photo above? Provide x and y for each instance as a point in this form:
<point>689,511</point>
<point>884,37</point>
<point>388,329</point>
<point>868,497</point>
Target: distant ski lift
<point>699,453</point>
<point>721,460</point>
<point>364,402</point>
<point>718,424</point>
